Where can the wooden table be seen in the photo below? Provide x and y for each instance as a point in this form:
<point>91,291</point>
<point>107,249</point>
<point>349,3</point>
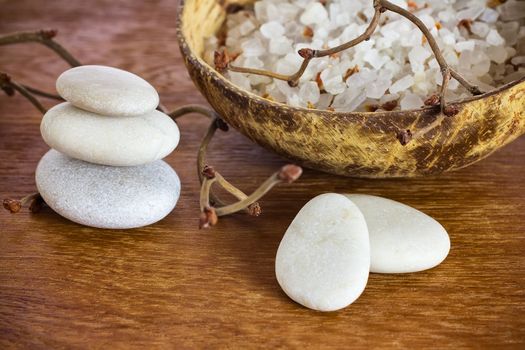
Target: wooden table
<point>172,286</point>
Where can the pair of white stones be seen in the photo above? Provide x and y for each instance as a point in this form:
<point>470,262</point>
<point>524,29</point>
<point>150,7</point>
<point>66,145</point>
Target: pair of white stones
<point>325,256</point>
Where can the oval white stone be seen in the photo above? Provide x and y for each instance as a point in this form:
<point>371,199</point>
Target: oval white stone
<point>97,139</point>
<point>323,260</point>
<point>402,239</point>
<point>107,197</point>
<point>107,91</point>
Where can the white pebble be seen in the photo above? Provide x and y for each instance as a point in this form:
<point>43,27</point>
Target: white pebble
<point>107,91</point>
<point>122,141</point>
<point>402,239</point>
<point>323,260</point>
<point>104,196</point>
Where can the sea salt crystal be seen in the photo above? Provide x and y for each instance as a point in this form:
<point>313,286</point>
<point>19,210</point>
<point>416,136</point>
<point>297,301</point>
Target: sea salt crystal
<point>309,92</point>
<point>315,13</point>
<point>252,48</point>
<point>512,10</point>
<point>509,31</point>
<point>493,38</point>
<point>402,84</point>
<point>333,81</point>
<point>272,29</point>
<point>470,13</point>
<point>349,100</point>
<point>497,54</point>
<point>480,29</point>
<point>417,57</point>
<point>377,88</point>
<point>489,15</point>
<point>411,101</point>
<point>281,46</point>
<point>465,46</point>
<point>246,27</point>
<point>375,59</point>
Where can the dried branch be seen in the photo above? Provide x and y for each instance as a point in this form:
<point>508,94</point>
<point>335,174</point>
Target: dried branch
<point>44,37</point>
<point>41,93</point>
<point>210,205</point>
<point>10,86</point>
<point>287,174</point>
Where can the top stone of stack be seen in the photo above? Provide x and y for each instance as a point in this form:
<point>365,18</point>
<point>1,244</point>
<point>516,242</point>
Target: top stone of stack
<point>107,91</point>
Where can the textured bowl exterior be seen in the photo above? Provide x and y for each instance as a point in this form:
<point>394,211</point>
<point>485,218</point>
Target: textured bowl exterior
<point>352,144</point>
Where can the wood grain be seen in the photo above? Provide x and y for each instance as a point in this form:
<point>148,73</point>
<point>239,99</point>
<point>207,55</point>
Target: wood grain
<point>172,286</point>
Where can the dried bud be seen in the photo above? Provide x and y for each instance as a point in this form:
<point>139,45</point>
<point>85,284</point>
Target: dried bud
<point>5,85</point>
<point>208,172</point>
<point>254,209</point>
<point>12,205</point>
<point>289,173</point>
<point>390,105</point>
<point>221,60</point>
<point>433,100</point>
<point>208,218</point>
<point>306,53</point>
<point>404,137</point>
<point>451,110</point>
<point>48,33</point>
<point>221,124</point>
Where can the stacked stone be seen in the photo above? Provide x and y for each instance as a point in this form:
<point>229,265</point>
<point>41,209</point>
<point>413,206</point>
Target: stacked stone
<point>105,169</point>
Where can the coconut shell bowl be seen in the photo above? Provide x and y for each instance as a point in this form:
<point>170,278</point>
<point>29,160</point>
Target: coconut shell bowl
<point>358,144</point>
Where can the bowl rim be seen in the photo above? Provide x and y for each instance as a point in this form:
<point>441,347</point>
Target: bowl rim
<point>204,67</point>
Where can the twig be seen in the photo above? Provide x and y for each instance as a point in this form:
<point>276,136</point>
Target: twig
<point>209,176</point>
<point>10,86</point>
<point>217,123</point>
<point>287,174</point>
<point>42,93</point>
<point>44,37</point>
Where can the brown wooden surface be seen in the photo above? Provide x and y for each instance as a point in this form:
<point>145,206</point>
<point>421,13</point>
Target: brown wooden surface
<point>172,286</point>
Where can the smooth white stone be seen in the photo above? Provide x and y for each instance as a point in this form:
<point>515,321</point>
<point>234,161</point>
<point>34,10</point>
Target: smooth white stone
<point>107,91</point>
<point>323,260</point>
<point>402,239</point>
<point>122,141</point>
<point>104,196</point>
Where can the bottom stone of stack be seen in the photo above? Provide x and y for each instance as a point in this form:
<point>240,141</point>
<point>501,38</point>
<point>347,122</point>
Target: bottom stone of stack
<point>105,196</point>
